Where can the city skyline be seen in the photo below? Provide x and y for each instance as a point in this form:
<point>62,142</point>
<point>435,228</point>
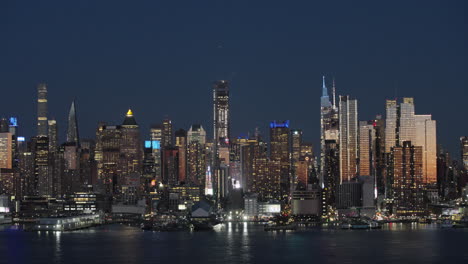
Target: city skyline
<point>137,66</point>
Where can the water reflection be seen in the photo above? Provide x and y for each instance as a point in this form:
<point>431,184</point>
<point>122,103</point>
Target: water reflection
<point>238,243</point>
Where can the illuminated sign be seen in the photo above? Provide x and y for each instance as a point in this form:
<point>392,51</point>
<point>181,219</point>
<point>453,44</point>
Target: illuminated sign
<point>275,124</point>
<point>21,139</point>
<point>13,121</point>
<point>273,208</point>
<point>152,144</point>
<point>156,144</point>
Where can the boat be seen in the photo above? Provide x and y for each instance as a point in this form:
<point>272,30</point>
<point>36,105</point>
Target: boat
<point>360,224</point>
<point>67,223</point>
<point>374,225</point>
<point>345,226</point>
<point>275,227</point>
<point>446,224</point>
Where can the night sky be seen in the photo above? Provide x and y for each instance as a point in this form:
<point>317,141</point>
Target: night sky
<point>161,57</point>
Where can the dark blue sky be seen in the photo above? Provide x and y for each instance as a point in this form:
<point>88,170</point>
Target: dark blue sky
<point>161,57</point>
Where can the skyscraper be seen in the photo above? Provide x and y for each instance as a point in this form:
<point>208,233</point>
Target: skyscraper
<point>131,153</point>
<point>108,156</point>
<point>53,135</point>
<point>407,170</point>
<point>72,131</point>
<point>328,133</point>
<point>221,113</point>
<point>464,151</point>
<point>6,150</point>
<point>181,144</point>
<point>279,152</point>
<point>221,136</point>
<point>167,133</point>
<point>391,135</point>
<point>348,138</point>
<point>196,167</point>
<point>425,129</point>
<point>42,110</point>
<point>367,137</point>
<point>156,137</point>
<point>407,124</point>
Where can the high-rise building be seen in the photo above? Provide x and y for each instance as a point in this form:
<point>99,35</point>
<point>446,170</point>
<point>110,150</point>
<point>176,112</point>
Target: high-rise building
<point>348,138</point>
<point>367,137</point>
<point>221,136</point>
<point>156,137</point>
<point>329,132</point>
<point>181,144</point>
<point>221,112</point>
<point>108,143</point>
<point>407,124</point>
<point>130,148</point>
<point>42,110</point>
<point>196,159</point>
<point>6,150</point>
<point>53,135</point>
<point>464,151</point>
<point>167,133</point>
<point>170,166</point>
<point>407,172</point>
<point>391,130</point>
<point>72,131</point>
<point>279,152</point>
<point>43,180</point>
<point>425,129</point>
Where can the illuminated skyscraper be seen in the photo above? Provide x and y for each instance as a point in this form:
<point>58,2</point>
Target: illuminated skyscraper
<point>464,151</point>
<point>407,171</point>
<point>131,153</point>
<point>221,136</point>
<point>391,130</point>
<point>108,156</point>
<point>279,152</point>
<point>72,131</point>
<point>6,150</point>
<point>328,133</point>
<point>181,144</point>
<point>196,159</point>
<point>53,135</point>
<point>367,137</point>
<point>426,137</point>
<point>167,134</point>
<point>42,110</point>
<point>407,124</point>
<point>221,112</point>
<point>43,180</point>
<point>156,135</point>
<point>348,142</point>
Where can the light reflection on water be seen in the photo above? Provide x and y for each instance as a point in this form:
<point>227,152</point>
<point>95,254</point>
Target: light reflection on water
<point>237,243</point>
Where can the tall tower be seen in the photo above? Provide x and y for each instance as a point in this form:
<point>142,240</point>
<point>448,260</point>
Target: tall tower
<point>72,131</point>
<point>328,131</point>
<point>221,112</point>
<point>181,144</point>
<point>279,152</point>
<point>53,135</point>
<point>42,110</point>
<point>221,135</point>
<point>130,147</point>
<point>406,166</point>
<point>464,151</point>
<point>348,143</point>
<point>167,135</point>
<point>426,137</point>
<point>391,133</point>
<point>407,125</point>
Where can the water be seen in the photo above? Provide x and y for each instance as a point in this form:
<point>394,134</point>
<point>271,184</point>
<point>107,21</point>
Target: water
<point>237,243</point>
